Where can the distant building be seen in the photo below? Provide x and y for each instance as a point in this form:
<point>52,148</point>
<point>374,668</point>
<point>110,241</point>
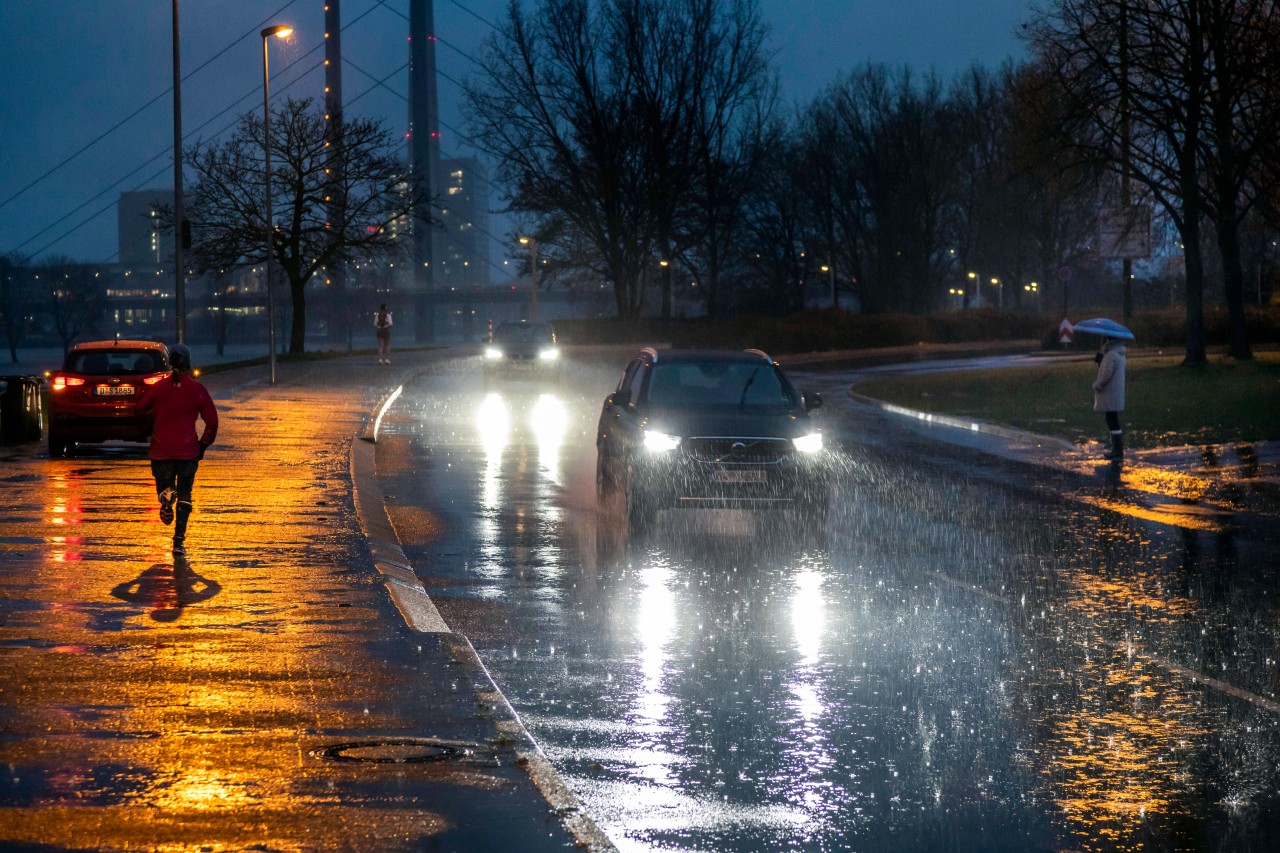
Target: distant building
<point>462,241</point>
<point>141,239</point>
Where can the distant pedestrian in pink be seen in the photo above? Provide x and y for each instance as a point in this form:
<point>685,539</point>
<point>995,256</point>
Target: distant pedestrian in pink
<point>382,323</point>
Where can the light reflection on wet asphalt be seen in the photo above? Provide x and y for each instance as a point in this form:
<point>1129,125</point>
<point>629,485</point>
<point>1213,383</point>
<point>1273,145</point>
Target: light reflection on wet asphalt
<point>969,661</point>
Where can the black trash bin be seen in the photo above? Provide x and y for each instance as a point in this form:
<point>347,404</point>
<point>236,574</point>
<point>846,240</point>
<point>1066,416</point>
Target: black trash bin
<point>20,408</point>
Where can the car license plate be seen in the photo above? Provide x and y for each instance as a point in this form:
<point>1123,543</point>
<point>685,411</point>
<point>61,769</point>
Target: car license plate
<point>115,390</point>
<point>738,476</point>
<point>515,365</point>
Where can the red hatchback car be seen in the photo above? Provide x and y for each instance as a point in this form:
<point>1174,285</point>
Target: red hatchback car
<point>94,397</point>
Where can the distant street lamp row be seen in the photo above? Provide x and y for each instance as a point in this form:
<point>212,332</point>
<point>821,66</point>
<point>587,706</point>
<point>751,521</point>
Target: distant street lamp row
<point>1032,288</point>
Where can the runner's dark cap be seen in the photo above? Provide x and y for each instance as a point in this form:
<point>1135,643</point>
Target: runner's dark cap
<point>180,357</point>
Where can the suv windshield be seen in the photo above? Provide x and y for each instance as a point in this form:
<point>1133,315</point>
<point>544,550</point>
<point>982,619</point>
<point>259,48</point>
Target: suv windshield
<point>515,333</point>
<point>717,383</point>
<point>115,362</point>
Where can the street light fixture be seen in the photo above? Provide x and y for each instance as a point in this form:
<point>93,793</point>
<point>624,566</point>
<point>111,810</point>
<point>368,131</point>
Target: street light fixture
<point>995,282</point>
<point>532,243</point>
<point>179,214</point>
<point>279,31</point>
<point>1034,289</point>
<point>830,270</point>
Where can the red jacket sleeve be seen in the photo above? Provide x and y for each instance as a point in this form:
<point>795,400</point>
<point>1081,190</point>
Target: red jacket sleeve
<point>209,414</point>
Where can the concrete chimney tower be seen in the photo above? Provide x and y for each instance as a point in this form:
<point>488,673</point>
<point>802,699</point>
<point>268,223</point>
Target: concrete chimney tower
<point>424,155</point>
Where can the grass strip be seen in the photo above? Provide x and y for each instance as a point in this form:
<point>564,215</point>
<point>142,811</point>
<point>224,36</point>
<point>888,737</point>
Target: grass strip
<point>1167,404</point>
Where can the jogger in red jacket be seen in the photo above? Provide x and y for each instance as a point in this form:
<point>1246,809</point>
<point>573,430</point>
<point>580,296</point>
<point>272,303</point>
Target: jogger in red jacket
<point>172,405</point>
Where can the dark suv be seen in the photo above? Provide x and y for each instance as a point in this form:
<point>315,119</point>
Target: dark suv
<point>709,428</point>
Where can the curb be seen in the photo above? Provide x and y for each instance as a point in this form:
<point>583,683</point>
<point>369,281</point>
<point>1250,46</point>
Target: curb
<point>1266,489</point>
<point>1009,433</point>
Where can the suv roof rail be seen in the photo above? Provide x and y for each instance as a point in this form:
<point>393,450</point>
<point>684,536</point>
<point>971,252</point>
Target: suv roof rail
<point>760,353</point>
<point>651,352</point>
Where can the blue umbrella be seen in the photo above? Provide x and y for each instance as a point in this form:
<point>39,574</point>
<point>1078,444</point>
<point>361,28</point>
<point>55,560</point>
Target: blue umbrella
<point>1106,328</point>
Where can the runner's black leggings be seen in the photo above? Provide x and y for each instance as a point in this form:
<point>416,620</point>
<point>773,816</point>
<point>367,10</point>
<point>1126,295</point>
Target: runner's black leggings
<point>1113,421</point>
<point>179,475</point>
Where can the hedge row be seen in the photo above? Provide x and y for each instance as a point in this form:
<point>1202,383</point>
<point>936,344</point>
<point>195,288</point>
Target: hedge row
<point>827,329</point>
<point>1167,328</point>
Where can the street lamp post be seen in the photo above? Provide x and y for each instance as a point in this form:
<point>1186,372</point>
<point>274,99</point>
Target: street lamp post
<point>830,270</point>
<point>995,282</point>
<point>977,290</point>
<point>532,243</point>
<point>279,31</point>
<point>179,214</point>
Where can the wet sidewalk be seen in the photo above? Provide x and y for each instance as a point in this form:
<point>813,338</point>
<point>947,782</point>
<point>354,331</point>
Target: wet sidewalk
<point>267,693</point>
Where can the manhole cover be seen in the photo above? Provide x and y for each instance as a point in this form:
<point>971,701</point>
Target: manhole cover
<point>395,751</point>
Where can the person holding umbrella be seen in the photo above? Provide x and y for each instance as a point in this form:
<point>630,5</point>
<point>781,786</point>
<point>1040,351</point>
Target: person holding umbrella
<point>1108,386</point>
<point>1108,392</point>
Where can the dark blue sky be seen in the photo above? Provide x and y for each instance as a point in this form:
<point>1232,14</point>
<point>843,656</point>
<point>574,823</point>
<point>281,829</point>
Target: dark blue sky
<point>71,71</point>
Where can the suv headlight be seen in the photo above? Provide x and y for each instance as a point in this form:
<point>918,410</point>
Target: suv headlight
<point>549,354</point>
<point>810,443</point>
<point>492,353</point>
<point>660,442</point>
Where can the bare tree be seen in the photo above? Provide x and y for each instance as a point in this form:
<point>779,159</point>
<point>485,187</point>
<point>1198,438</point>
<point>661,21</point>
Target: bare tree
<point>732,119</point>
<point>228,200</point>
<point>1058,196</point>
<point>76,297</point>
<point>898,137</point>
<point>15,300</point>
<point>772,236</point>
<point>552,107</point>
<point>1138,77</point>
<point>986,195</point>
<point>597,115</point>
<point>1243,119</point>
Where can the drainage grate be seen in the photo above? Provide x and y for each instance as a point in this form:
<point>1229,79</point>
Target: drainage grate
<point>395,751</point>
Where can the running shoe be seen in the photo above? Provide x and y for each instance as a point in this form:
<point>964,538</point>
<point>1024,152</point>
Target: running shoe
<point>167,498</point>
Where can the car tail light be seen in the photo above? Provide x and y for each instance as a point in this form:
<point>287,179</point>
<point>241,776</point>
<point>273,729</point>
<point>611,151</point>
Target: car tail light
<point>152,380</point>
<point>60,382</point>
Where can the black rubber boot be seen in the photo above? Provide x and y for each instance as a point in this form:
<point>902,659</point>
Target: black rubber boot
<point>1117,447</point>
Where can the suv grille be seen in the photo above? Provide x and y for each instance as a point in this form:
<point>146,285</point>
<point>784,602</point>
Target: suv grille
<point>753,451</point>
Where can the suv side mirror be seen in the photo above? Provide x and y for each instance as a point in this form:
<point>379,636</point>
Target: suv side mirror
<point>811,400</point>
<point>621,397</point>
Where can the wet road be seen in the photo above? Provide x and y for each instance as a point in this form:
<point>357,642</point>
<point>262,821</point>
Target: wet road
<point>263,694</point>
<point>973,657</point>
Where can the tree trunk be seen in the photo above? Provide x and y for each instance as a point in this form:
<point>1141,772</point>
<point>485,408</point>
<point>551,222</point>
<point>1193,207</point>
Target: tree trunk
<point>1195,353</point>
<point>1190,228</point>
<point>298,323</point>
<point>1233,277</point>
<point>664,273</point>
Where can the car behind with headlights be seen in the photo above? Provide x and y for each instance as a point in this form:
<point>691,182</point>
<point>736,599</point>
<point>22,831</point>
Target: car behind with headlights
<point>94,397</point>
<point>688,428</point>
<point>522,350</point>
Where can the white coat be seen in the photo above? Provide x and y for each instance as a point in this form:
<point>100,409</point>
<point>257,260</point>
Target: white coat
<point>1108,387</point>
